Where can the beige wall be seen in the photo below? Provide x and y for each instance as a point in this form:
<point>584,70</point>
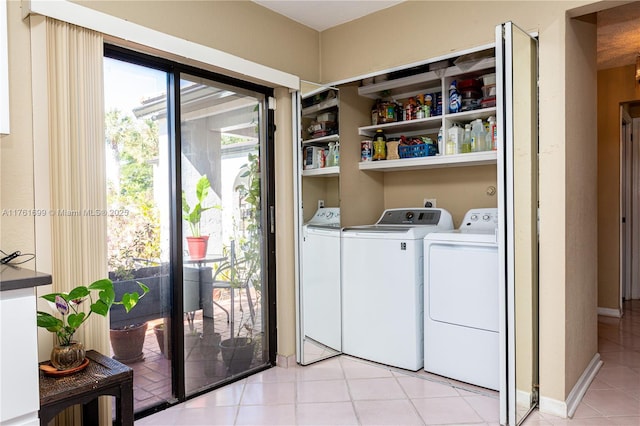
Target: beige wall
<point>581,282</point>
<point>455,189</point>
<point>241,28</point>
<point>615,85</point>
<point>16,166</point>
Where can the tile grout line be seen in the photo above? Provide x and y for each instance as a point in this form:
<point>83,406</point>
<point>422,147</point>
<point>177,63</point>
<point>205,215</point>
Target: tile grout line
<point>235,420</point>
<point>415,409</point>
<point>353,404</point>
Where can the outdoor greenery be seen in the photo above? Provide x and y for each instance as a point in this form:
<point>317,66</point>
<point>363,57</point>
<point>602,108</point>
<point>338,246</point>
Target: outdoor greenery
<point>135,235</point>
<point>250,240</point>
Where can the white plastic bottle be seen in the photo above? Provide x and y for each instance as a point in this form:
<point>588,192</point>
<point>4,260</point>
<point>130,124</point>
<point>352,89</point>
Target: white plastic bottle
<point>492,134</point>
<point>454,140</point>
<point>466,140</point>
<point>440,142</point>
<point>477,136</point>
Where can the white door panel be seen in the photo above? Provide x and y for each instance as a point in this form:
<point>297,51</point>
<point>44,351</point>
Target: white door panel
<point>462,284</point>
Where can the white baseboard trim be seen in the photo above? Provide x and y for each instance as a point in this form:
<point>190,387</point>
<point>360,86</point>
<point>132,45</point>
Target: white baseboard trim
<point>568,408</point>
<point>285,361</point>
<point>523,399</point>
<point>608,312</point>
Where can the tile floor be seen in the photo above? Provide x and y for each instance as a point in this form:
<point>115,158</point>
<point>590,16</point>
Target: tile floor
<point>348,391</point>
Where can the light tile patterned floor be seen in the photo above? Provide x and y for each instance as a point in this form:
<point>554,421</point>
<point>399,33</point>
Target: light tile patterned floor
<point>347,391</point>
<point>340,390</point>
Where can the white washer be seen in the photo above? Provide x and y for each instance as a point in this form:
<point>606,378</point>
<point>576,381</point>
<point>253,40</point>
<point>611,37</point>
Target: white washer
<point>321,277</point>
<point>461,301</point>
<point>382,286</point>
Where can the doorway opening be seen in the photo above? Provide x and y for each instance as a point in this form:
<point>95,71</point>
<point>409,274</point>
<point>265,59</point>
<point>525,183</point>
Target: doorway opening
<point>629,202</point>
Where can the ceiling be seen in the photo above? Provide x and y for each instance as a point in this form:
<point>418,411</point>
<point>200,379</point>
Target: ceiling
<point>618,28</point>
<point>618,36</point>
<point>324,14</point>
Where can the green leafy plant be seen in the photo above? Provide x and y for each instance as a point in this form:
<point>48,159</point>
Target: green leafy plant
<point>193,215</point>
<point>70,306</point>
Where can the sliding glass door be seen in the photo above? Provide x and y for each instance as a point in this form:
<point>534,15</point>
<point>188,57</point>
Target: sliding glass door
<point>137,147</point>
<point>220,162</point>
<point>190,171</point>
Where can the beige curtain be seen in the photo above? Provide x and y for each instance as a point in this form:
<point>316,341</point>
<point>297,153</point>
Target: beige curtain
<point>77,167</point>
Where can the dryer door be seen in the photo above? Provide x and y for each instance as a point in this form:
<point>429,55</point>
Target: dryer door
<point>462,284</point>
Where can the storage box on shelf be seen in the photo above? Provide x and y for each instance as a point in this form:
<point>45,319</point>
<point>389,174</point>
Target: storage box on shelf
<point>470,69</point>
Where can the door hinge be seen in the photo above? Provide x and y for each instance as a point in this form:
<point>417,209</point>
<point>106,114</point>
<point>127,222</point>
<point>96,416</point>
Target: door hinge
<point>271,103</point>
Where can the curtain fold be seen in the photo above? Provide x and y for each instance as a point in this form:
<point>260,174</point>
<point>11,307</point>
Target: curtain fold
<point>77,167</point>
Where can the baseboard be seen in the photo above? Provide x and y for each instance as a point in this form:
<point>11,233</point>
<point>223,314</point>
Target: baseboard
<point>523,399</point>
<point>567,408</point>
<point>285,361</point>
<point>608,312</point>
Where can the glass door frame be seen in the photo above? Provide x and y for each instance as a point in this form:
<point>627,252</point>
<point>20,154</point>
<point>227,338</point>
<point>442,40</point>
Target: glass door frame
<point>267,139</point>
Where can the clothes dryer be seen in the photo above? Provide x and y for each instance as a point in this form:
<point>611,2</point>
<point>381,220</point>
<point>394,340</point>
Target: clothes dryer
<point>382,286</point>
<point>461,301</point>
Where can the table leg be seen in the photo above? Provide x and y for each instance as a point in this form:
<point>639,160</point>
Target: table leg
<point>124,405</point>
<point>91,412</point>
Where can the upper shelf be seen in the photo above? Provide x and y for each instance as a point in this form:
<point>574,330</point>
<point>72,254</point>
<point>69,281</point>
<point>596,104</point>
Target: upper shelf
<point>315,109</point>
<point>430,81</point>
<point>403,126</point>
<point>429,124</point>
<point>438,161</point>
<point>323,172</point>
<point>402,87</point>
<point>323,140</point>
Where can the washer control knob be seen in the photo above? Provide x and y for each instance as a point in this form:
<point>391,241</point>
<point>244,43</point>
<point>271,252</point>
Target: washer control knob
<point>486,218</point>
<point>409,215</point>
<point>474,217</point>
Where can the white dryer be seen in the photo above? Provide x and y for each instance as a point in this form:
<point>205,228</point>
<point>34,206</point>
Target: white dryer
<point>461,301</point>
<point>321,277</point>
<point>382,286</point>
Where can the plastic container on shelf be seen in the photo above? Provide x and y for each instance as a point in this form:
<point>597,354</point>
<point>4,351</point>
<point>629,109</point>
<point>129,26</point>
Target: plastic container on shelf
<point>379,146</point>
<point>488,102</point>
<point>465,147</point>
<point>478,137</point>
<point>488,79</point>
<point>454,140</point>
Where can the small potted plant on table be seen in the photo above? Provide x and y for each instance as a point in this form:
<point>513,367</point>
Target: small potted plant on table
<point>68,353</point>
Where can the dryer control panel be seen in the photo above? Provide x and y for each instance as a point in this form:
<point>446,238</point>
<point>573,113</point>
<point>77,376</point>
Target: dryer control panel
<point>477,219</point>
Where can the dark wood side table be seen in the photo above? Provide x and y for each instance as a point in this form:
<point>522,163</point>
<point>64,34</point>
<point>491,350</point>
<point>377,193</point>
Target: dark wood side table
<point>103,376</point>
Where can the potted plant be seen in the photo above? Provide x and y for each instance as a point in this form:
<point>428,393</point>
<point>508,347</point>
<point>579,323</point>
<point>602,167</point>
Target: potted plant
<point>68,353</point>
<point>237,351</point>
<point>197,243</point>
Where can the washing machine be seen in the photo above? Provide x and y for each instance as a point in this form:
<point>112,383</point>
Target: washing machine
<point>321,277</point>
<point>461,302</point>
<point>382,286</point>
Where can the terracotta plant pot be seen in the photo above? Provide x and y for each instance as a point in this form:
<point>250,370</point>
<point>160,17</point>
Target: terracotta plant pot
<point>197,247</point>
<point>127,343</point>
<point>165,346</point>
